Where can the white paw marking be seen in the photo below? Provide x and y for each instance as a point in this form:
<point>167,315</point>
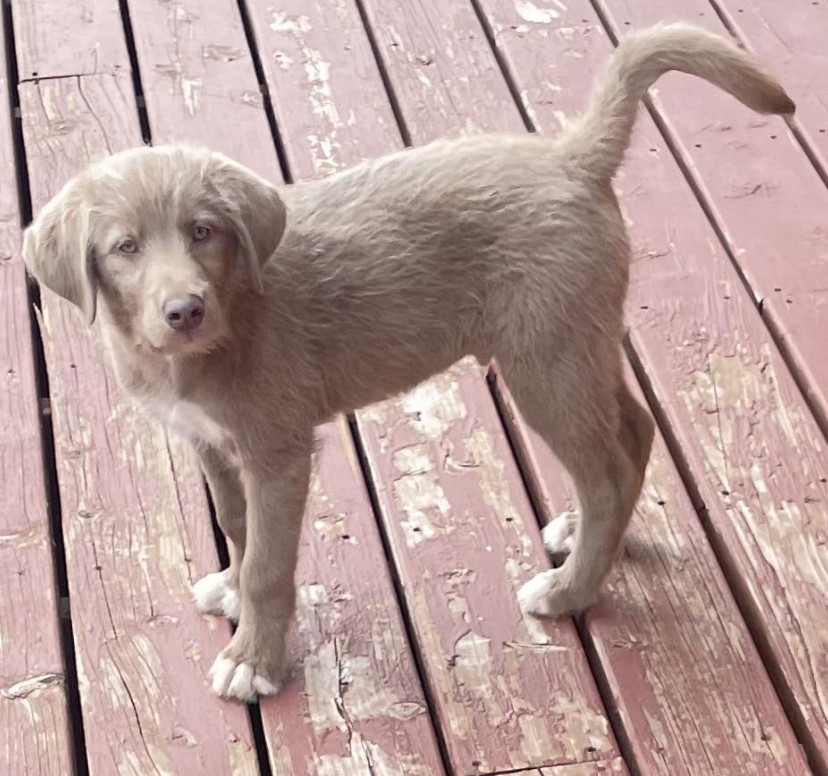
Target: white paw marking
<point>548,595</point>
<point>238,680</point>
<point>214,594</point>
<point>559,534</point>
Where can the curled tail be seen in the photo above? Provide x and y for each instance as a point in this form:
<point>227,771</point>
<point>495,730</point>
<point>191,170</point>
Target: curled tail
<point>598,140</point>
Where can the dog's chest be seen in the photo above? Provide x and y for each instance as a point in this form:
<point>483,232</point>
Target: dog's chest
<point>189,420</point>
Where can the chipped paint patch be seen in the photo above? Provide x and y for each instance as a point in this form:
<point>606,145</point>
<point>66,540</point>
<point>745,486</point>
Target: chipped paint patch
<point>419,494</point>
<point>24,688</point>
<point>530,12</point>
<point>282,22</point>
<point>434,406</point>
<point>282,60</point>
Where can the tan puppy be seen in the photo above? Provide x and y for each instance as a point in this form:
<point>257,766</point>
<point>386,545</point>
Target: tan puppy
<point>244,335</point>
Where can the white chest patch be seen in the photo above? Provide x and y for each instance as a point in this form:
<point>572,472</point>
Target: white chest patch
<point>190,421</point>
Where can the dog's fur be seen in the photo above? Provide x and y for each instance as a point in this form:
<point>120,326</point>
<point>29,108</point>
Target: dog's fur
<point>504,246</point>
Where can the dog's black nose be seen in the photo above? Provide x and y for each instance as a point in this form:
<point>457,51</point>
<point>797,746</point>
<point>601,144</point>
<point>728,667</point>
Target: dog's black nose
<point>184,314</point>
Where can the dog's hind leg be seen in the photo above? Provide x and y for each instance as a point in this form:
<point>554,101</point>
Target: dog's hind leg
<point>581,407</point>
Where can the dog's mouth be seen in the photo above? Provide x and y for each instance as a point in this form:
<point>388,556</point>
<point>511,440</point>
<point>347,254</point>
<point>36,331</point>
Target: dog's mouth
<point>183,343</point>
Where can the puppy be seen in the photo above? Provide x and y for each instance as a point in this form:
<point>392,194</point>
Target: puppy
<point>244,315</point>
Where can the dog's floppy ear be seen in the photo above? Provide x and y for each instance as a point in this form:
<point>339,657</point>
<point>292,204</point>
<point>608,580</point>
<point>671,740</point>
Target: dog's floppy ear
<point>256,210</point>
<point>57,250</point>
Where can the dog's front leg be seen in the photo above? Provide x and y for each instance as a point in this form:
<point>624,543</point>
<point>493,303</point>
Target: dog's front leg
<point>218,593</point>
<point>276,486</point>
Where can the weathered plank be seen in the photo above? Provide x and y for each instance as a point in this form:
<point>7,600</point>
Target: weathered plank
<point>198,79</point>
<point>763,192</point>
<point>34,733</point>
<point>508,720</point>
<point>605,768</point>
<point>356,693</point>
<point>615,766</point>
<point>791,38</point>
<point>328,100</point>
<point>356,704</point>
<point>441,69</point>
<point>42,29</point>
<point>131,554</point>
<point>510,692</point>
<point>752,449</point>
<point>690,690</point>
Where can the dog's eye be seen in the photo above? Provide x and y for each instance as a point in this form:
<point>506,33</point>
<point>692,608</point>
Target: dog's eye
<point>200,232</point>
<point>128,246</point>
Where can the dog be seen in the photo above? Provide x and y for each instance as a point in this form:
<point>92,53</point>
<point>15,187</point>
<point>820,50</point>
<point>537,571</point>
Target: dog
<point>243,315</point>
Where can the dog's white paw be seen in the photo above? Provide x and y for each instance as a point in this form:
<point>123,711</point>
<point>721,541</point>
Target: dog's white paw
<point>214,594</point>
<point>240,681</point>
<point>559,534</point>
<point>549,594</point>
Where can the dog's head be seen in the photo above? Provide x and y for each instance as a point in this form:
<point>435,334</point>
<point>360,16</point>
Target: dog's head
<point>166,238</point>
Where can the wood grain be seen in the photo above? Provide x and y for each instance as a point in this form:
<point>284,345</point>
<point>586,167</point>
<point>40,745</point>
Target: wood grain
<point>489,722</point>
<point>762,191</point>
<point>510,692</point>
<point>142,651</point>
<point>753,450</point>
<point>199,82</point>
<point>790,37</point>
<point>355,704</point>
<point>64,39</point>
<point>34,733</point>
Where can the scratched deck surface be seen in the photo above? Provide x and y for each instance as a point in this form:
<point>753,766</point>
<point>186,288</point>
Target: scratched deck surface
<point>708,652</point>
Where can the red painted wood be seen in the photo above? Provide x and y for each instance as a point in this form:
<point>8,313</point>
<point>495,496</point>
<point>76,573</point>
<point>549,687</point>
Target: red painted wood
<point>42,38</point>
<point>132,553</point>
<point>199,82</point>
<point>441,68</point>
<point>752,448</point>
<point>541,706</point>
<point>34,733</point>
<point>355,704</point>
<point>763,192</point>
<point>510,692</point>
<point>327,95</point>
<point>790,37</point>
<point>614,767</point>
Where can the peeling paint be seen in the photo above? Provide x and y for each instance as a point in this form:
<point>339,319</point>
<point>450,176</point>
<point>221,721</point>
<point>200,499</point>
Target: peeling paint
<point>282,22</point>
<point>419,494</point>
<point>530,12</point>
<point>434,406</point>
<point>25,687</point>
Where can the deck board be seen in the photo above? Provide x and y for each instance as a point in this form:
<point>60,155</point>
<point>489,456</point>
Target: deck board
<point>341,83</point>
<point>763,192</point>
<point>510,691</point>
<point>791,37</point>
<point>728,396</point>
<point>355,703</point>
<point>34,728</point>
<point>131,554</point>
<point>687,687</point>
<point>760,454</point>
<point>665,673</point>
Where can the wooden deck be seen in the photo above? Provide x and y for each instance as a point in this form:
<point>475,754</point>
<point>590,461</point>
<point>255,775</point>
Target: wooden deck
<point>708,653</point>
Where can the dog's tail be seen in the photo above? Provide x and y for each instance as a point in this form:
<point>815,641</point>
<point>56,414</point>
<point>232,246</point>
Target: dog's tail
<point>598,140</point>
